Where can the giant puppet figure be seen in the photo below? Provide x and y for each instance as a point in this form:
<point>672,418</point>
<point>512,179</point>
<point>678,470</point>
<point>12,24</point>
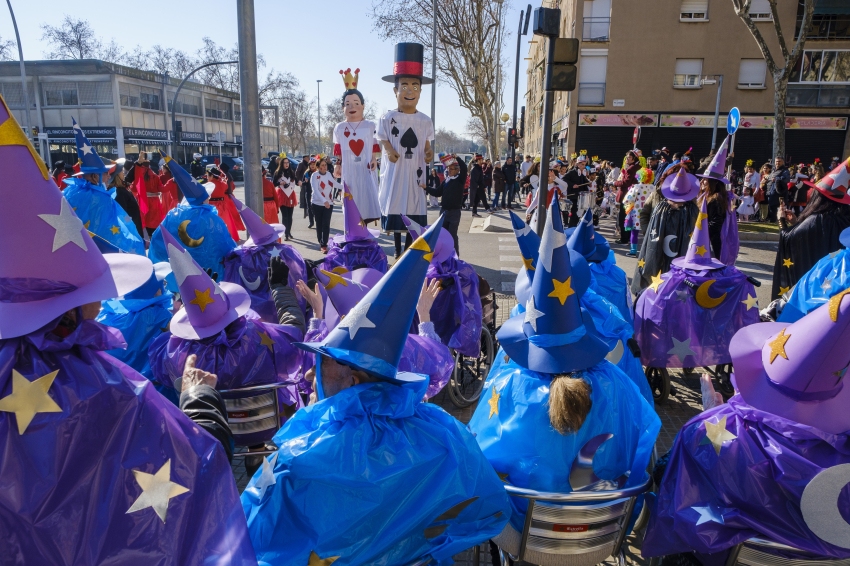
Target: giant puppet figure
<point>355,143</point>
<point>405,135</point>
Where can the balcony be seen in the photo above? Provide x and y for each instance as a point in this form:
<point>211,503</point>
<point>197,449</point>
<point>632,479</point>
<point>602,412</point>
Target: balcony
<point>596,29</point>
<point>591,94</point>
<point>819,96</point>
<point>826,26</point>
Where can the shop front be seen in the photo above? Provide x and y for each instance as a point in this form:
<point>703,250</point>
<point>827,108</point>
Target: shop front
<point>137,140</point>
<point>190,144</point>
<point>64,147</point>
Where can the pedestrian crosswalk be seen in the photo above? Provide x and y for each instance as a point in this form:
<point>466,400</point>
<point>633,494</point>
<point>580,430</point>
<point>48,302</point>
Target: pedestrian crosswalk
<point>509,264</point>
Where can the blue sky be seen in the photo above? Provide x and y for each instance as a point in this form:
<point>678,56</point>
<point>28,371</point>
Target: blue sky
<point>311,41</point>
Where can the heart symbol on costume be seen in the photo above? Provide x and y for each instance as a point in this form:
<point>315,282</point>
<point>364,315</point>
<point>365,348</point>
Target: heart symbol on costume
<point>346,133</point>
<point>356,146</point>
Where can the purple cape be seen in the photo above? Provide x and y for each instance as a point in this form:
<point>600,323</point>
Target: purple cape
<point>456,311</point>
<point>71,482</point>
<point>763,483</point>
<point>354,254</point>
<point>673,330</point>
<point>729,234</point>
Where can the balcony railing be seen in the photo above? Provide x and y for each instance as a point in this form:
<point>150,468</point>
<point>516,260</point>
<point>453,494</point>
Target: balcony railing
<point>596,29</point>
<point>819,96</point>
<point>591,94</point>
<point>826,26</point>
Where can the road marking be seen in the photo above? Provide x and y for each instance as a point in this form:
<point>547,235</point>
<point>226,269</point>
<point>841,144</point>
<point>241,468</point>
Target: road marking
<point>509,272</point>
<point>507,239</point>
<point>507,248</point>
<point>510,258</point>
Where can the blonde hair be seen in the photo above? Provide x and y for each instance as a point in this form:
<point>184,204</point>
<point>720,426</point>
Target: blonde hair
<point>569,402</point>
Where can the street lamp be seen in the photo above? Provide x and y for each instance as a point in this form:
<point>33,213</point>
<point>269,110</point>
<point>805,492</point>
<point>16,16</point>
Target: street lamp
<point>498,79</point>
<point>23,75</point>
<point>718,80</point>
<point>319,104</point>
<point>523,30</point>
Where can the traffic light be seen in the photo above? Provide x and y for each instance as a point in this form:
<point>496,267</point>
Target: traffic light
<point>564,71</point>
<point>178,130</point>
<point>512,137</point>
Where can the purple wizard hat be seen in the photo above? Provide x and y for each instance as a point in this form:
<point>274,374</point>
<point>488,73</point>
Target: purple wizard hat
<point>208,307</point>
<point>260,232</point>
<point>717,168</point>
<point>345,290</point>
<point>680,187</point>
<point>797,370</point>
<point>699,256</point>
<point>353,225</point>
<point>554,334</point>
<point>50,264</point>
<point>445,243</point>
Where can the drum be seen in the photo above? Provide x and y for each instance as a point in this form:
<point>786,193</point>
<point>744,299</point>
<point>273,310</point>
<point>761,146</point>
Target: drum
<point>586,199</point>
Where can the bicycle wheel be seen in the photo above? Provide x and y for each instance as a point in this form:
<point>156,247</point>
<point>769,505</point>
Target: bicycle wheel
<point>659,382</point>
<point>469,373</point>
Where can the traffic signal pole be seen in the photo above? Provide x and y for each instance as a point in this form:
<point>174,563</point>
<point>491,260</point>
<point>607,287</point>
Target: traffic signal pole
<point>546,145</point>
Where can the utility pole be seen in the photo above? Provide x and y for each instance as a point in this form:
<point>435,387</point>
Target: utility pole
<point>250,98</point>
<point>434,76</point>
<point>319,108</point>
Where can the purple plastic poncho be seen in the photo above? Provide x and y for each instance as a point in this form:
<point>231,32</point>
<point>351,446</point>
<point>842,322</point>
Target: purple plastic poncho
<point>456,311</point>
<point>691,319</point>
<point>355,254</point>
<point>248,267</point>
<point>74,477</point>
<point>729,235</point>
<point>761,476</point>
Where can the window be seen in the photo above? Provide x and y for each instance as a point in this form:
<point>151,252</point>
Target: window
<point>95,93</point>
<point>591,80</point>
<point>688,73</point>
<point>237,113</point>
<point>217,109</point>
<point>694,11</point>
<point>822,67</point>
<point>760,11</point>
<point>136,96</point>
<point>13,94</point>
<point>752,73</point>
<point>60,94</point>
<point>186,104</point>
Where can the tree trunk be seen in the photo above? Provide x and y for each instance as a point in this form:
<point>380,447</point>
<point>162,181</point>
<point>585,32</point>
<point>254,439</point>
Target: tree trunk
<point>780,93</point>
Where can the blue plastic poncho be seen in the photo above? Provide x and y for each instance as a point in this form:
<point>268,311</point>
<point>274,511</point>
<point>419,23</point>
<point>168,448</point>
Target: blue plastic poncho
<point>70,489</point>
<point>518,439</point>
<point>373,476</point>
<point>612,283</point>
<point>139,321</point>
<point>204,234</point>
<point>827,278</point>
<point>103,216</point>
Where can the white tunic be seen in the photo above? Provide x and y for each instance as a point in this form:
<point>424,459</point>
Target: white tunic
<point>400,192</point>
<point>355,142</point>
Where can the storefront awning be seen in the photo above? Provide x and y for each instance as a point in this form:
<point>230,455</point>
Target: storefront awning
<point>194,143</point>
<point>72,140</point>
<point>146,141</point>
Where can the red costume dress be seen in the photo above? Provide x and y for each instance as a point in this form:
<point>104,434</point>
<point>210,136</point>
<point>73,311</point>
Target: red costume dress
<point>169,190</point>
<point>147,189</point>
<point>59,178</point>
<point>270,203</point>
<point>219,199</point>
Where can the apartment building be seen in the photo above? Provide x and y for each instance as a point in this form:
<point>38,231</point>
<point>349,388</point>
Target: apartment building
<point>123,110</point>
<point>658,64</point>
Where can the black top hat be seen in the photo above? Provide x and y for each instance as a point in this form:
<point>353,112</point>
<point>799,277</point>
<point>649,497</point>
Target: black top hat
<point>409,63</point>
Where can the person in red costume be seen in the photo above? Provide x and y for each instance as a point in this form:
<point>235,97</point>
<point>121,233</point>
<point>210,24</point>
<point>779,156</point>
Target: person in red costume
<point>170,193</point>
<point>270,203</point>
<point>220,198</point>
<point>147,189</point>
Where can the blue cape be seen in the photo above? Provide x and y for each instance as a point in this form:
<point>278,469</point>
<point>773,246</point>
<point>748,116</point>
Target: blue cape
<point>139,321</point>
<point>103,216</point>
<point>829,276</point>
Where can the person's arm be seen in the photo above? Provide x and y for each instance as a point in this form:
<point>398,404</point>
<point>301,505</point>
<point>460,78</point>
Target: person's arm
<point>202,403</point>
<point>429,293</point>
<point>289,312</point>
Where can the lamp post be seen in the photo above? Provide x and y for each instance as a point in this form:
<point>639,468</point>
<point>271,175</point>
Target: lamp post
<point>249,93</point>
<point>521,31</point>
<point>319,105</point>
<point>434,76</point>
<point>710,80</point>
<point>23,73</point>
<point>499,28</point>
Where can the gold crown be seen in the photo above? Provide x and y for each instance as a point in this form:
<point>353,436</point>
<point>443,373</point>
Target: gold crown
<point>573,155</point>
<point>349,79</point>
<point>750,162</point>
<point>595,158</point>
<point>584,152</point>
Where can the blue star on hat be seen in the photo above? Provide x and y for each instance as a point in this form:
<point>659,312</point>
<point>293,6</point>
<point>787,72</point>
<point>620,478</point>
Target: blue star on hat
<point>554,335</point>
<point>195,192</point>
<point>584,239</point>
<point>372,336</point>
<point>90,161</point>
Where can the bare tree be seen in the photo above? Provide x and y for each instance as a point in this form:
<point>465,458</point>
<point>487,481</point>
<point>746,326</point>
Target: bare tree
<point>297,122</point>
<point>467,42</point>
<point>789,60</point>
<point>8,50</point>
<point>450,142</point>
<point>75,39</point>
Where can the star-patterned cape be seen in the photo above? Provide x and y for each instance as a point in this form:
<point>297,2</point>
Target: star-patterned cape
<point>456,311</point>
<point>735,473</point>
<point>248,267</point>
<point>517,438</point>
<point>102,215</point>
<point>355,254</point>
<point>106,470</point>
<point>829,276</point>
<point>681,321</point>
<point>334,492</point>
<point>669,225</point>
<point>611,282</point>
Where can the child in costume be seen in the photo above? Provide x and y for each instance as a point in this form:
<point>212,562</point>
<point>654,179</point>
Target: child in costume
<point>747,206</point>
<point>356,246</point>
<point>633,202</point>
<point>323,185</point>
<point>220,199</point>
<point>285,186</point>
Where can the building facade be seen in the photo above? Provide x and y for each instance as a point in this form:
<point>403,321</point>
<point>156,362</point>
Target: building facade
<point>123,110</point>
<point>659,64</point>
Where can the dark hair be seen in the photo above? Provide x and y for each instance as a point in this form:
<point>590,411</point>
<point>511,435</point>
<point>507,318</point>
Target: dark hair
<point>819,204</point>
<point>349,92</point>
<point>281,171</point>
<point>716,190</point>
<point>224,167</point>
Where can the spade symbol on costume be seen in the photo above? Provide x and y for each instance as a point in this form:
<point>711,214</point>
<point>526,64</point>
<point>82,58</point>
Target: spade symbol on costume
<point>419,173</point>
<point>394,131</point>
<point>409,141</point>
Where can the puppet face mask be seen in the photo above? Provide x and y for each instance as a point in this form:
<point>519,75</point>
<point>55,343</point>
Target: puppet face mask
<point>407,93</point>
<point>353,108</point>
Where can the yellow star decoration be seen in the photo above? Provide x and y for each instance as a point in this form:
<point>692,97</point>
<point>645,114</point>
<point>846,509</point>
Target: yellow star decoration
<point>494,403</point>
<point>86,225</point>
<point>265,340</point>
<point>717,434</point>
<point>751,302</point>
<point>340,270</point>
<point>528,264</point>
<point>777,345</point>
<point>334,279</point>
<point>656,282</point>
<point>316,561</point>
<point>115,229</point>
<point>157,490</point>
<point>12,134</point>
<point>421,245</point>
<point>562,289</point>
<point>701,251</point>
<point>783,290</point>
<point>787,262</point>
<point>700,217</point>
<point>835,303</point>
<point>348,196</point>
<point>202,299</point>
<point>641,263</point>
<point>28,398</point>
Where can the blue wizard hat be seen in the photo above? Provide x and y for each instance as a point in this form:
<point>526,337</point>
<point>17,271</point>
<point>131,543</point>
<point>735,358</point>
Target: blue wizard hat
<point>584,239</point>
<point>529,246</point>
<point>372,335</point>
<point>90,161</point>
<point>154,284</point>
<point>195,192</point>
<point>554,335</point>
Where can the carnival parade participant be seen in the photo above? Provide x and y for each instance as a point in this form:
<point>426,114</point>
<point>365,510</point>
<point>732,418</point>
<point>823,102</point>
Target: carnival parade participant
<point>94,205</point>
<point>329,491</point>
<point>405,135</point>
<point>211,241</point>
<point>248,265</point>
<point>115,179</point>
<point>104,469</point>
<point>270,204</point>
<point>357,245</point>
<point>356,146</point>
<point>451,195</point>
<point>323,184</point>
<point>557,395</point>
<point>220,199</point>
<point>555,185</point>
<point>722,220</point>
<point>632,204</point>
<point>285,184</point>
<point>147,189</point>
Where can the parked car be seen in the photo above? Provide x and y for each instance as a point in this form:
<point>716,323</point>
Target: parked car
<point>234,163</point>
<point>439,170</point>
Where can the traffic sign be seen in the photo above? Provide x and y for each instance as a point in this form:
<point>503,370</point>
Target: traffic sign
<point>733,121</point>
<point>636,136</point>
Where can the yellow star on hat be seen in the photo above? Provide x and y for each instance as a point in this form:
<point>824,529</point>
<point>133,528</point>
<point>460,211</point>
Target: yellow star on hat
<point>563,289</point>
<point>157,490</point>
<point>316,561</point>
<point>202,299</point>
<point>656,282</point>
<point>29,398</point>
<point>528,263</point>
<point>421,245</point>
<point>700,217</point>
<point>835,303</point>
<point>777,345</point>
<point>334,279</point>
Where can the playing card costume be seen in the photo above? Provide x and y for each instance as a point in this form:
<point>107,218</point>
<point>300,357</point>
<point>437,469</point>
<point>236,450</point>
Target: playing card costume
<point>556,336</point>
<point>827,278</point>
<point>247,265</point>
<point>105,470</point>
<point>772,462</point>
<point>95,205</point>
<point>357,246</point>
<point>688,316</point>
<point>330,493</point>
<point>198,225</point>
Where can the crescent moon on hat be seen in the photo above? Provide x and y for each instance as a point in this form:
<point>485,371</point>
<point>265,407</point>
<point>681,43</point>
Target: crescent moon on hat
<point>186,238</point>
<point>819,505</point>
<point>615,355</point>
<point>667,251</point>
<point>252,286</point>
<point>705,300</point>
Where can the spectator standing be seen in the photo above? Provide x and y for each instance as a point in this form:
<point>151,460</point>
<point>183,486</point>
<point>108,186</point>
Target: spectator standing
<point>509,170</point>
<point>196,167</point>
<point>307,190</point>
<point>487,169</point>
<point>761,197</point>
<point>777,187</point>
<point>285,183</point>
<point>477,191</point>
<point>526,165</point>
<point>499,186</point>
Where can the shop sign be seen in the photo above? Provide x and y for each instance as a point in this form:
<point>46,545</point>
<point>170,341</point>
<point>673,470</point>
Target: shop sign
<point>642,120</point>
